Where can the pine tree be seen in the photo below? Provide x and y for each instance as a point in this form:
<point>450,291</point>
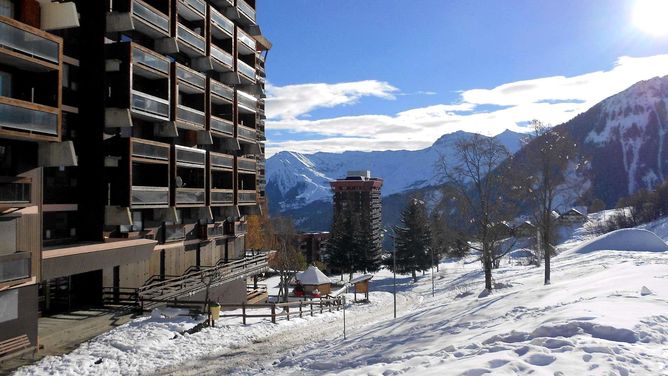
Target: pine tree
<point>413,240</point>
<point>340,246</point>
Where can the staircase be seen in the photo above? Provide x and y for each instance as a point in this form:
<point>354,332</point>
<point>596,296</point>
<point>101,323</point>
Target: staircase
<point>160,292</point>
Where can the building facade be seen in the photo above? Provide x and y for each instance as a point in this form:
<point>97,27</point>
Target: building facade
<point>358,197</point>
<point>313,245</point>
<point>131,151</point>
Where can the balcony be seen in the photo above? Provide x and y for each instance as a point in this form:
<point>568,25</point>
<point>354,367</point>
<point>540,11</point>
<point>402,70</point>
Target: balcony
<point>221,26</point>
<point>212,231</point>
<point>173,233</point>
<point>152,22</point>
<point>149,196</point>
<point>154,65</point>
<point>15,266</point>
<point>247,197</point>
<point>221,60</point>
<point>190,81</point>
<point>235,228</point>
<point>28,48</point>
<point>190,157</point>
<point>151,150</point>
<point>221,126</point>
<point>190,43</point>
<point>246,102</point>
<point>246,12</point>
<point>190,118</point>
<point>15,191</point>
<point>28,120</point>
<point>138,15</point>
<point>152,107</point>
<point>221,161</point>
<point>147,193</point>
<point>246,164</point>
<point>222,197</point>
<point>191,10</point>
<point>245,43</point>
<point>221,93</point>
<point>246,134</point>
<point>190,196</point>
<point>247,72</point>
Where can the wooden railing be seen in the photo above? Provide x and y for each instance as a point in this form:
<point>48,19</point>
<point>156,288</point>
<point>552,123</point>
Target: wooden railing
<point>298,308</point>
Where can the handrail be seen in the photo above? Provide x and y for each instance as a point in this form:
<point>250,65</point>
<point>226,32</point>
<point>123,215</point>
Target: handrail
<point>218,274</point>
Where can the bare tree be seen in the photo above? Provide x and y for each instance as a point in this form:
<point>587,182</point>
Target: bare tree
<point>287,260</point>
<point>545,159</point>
<point>483,188</point>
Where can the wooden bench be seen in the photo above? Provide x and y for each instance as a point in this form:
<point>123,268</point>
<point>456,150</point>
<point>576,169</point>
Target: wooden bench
<point>14,346</point>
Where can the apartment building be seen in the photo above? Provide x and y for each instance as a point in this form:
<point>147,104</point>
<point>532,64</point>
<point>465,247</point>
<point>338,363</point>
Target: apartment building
<point>131,152</point>
<point>357,196</point>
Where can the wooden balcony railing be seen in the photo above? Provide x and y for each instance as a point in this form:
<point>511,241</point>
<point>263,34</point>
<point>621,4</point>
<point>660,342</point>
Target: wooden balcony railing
<point>223,161</point>
<point>247,197</point>
<point>33,45</point>
<point>15,190</point>
<point>222,196</point>
<point>222,126</point>
<point>150,16</point>
<point>29,118</point>
<point>221,26</point>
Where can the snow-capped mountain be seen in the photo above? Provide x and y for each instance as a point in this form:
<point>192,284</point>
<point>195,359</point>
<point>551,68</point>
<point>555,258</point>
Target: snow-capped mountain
<point>295,180</point>
<point>624,139</point>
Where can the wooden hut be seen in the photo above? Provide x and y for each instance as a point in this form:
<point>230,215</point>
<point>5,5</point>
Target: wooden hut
<point>312,278</point>
<point>525,229</point>
<point>572,216</point>
<point>361,284</point>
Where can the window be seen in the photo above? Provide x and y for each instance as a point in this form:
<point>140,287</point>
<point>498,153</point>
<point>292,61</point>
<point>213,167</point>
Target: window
<point>7,236</point>
<point>5,81</point>
<point>7,8</point>
<point>9,304</point>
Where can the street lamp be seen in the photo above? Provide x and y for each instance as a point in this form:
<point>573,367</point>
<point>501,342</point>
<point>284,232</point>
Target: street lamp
<point>432,272</point>
<point>394,270</point>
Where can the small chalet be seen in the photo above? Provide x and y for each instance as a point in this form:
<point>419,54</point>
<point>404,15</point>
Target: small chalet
<point>572,216</point>
<point>502,229</point>
<point>313,279</point>
<point>525,229</point>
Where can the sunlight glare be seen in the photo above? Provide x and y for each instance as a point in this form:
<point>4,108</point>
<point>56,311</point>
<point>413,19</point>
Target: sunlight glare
<point>650,16</point>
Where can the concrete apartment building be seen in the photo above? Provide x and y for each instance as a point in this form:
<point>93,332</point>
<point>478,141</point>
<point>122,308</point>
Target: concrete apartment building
<point>131,151</point>
<point>357,196</point>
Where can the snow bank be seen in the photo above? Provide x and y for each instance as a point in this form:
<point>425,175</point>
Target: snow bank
<point>628,239</point>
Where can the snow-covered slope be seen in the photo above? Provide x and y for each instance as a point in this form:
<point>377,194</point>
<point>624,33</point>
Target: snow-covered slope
<point>294,180</point>
<point>604,313</point>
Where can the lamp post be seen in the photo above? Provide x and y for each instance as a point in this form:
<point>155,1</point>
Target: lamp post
<point>432,272</point>
<point>394,270</point>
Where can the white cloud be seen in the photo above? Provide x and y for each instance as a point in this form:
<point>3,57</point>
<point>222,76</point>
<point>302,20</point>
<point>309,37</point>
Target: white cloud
<point>292,101</point>
<point>550,99</point>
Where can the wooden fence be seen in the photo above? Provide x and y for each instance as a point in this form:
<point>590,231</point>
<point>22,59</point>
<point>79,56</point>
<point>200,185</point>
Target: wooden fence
<point>294,309</point>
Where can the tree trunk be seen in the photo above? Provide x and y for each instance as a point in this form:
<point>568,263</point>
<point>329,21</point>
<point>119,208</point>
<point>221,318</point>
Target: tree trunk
<point>414,276</point>
<point>487,264</point>
<point>546,249</point>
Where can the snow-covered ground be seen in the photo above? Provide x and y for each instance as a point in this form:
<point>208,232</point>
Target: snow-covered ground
<point>606,312</point>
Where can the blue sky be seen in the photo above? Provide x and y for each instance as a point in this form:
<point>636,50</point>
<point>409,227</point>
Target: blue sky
<point>397,74</point>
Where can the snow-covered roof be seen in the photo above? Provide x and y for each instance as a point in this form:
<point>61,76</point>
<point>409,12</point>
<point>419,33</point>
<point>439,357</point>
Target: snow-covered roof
<point>312,276</point>
<point>362,278</point>
<point>574,211</point>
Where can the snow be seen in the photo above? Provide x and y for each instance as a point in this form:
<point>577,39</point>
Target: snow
<point>312,276</point>
<point>628,239</point>
<point>603,313</point>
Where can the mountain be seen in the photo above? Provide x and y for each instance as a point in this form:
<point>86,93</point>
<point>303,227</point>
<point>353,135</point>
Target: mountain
<point>296,180</point>
<point>623,138</point>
